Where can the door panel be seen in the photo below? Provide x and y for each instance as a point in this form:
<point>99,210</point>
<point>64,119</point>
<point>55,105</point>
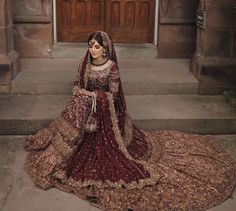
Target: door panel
<point>76,19</point>
<point>124,20</point>
<point>131,20</point>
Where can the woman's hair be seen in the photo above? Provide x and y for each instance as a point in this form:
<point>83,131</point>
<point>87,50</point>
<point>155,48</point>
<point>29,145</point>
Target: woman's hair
<point>98,37</point>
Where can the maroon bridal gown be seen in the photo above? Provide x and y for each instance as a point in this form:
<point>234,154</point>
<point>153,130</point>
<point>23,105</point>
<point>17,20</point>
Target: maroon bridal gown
<point>122,166</point>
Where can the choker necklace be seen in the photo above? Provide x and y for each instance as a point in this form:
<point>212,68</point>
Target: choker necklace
<point>100,64</point>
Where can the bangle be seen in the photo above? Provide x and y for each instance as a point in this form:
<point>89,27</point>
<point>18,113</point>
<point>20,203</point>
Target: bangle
<point>94,102</point>
<point>95,94</point>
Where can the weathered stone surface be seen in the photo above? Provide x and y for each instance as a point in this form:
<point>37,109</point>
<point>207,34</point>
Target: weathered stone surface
<point>223,18</point>
<point>175,11</point>
<point>5,89</point>
<point>234,45</point>
<point>214,43</point>
<point>26,7</point>
<point>9,38</point>
<point>11,153</point>
<point>56,76</point>
<point>218,43</point>
<point>9,59</point>
<point>33,37</point>
<point>190,113</point>
<point>18,193</point>
<point>215,74</point>
<point>15,63</point>
<point>177,30</point>
<point>200,42</point>
<point>9,67</point>
<point>214,62</point>
<point>176,41</point>
<point>5,73</point>
<point>32,11</point>
<point>33,40</point>
<point>3,45</point>
<point>6,13</point>
<point>6,35</point>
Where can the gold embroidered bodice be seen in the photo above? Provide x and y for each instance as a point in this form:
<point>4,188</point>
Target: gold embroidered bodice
<point>103,78</point>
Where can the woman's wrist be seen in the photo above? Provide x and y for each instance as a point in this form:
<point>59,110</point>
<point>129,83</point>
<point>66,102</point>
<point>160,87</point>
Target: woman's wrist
<point>79,91</point>
<point>95,94</point>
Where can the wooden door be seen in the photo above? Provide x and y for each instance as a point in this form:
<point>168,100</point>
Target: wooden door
<point>131,20</point>
<point>76,19</point>
<point>124,20</point>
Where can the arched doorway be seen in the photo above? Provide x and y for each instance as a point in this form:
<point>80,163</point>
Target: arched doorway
<point>124,20</point>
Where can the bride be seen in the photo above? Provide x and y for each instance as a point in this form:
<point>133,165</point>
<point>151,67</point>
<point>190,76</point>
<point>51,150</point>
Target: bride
<point>93,150</point>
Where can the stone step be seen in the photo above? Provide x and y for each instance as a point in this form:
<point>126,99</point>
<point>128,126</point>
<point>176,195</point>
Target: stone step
<point>25,114</point>
<point>139,77</point>
<point>17,189</point>
<point>123,50</point>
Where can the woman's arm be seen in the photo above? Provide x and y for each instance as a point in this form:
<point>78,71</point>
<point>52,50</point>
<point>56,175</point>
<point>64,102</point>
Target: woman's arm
<point>78,91</point>
<point>114,81</point>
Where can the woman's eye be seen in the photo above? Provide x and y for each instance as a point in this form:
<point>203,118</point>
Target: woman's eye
<point>90,46</point>
<point>97,46</point>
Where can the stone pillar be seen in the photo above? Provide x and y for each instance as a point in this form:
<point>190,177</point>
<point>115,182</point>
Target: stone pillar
<point>177,28</point>
<point>33,28</point>
<point>214,62</point>
<point>9,58</point>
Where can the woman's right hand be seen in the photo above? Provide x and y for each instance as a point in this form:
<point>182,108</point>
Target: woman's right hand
<point>78,91</point>
<point>75,90</point>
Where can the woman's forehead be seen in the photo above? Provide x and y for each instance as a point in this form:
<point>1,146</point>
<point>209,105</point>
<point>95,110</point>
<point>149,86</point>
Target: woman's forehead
<point>93,42</point>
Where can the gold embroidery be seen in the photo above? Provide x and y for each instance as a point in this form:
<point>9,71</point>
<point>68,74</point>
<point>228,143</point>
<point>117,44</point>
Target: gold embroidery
<point>128,130</point>
<point>151,168</point>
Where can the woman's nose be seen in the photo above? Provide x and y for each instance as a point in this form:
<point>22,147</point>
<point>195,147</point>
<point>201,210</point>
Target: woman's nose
<point>93,49</point>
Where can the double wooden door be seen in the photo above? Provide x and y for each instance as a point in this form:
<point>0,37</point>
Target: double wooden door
<point>124,20</point>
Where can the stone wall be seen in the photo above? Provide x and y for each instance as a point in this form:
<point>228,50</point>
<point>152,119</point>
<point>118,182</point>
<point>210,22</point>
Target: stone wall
<point>33,27</point>
<point>177,28</point>
<point>9,58</point>
<point>214,62</point>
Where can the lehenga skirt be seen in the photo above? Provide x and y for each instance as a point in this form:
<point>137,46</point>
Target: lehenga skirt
<point>188,171</point>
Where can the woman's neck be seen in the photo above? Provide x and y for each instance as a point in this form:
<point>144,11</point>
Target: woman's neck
<point>99,61</point>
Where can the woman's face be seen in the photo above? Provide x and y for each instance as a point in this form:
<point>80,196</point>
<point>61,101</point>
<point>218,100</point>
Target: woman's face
<point>95,49</point>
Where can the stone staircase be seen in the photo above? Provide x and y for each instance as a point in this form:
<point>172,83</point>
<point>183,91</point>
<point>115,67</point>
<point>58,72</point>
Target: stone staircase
<point>160,94</point>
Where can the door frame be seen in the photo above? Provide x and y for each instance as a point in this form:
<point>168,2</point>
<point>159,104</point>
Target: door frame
<point>156,22</point>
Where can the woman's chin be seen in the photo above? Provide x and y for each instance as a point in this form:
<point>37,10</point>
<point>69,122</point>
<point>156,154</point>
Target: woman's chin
<point>94,56</point>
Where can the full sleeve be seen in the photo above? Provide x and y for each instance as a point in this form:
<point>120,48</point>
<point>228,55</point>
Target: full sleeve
<point>114,81</point>
<point>77,80</point>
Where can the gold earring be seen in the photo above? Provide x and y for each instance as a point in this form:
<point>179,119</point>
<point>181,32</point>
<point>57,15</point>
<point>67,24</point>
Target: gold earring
<point>104,54</point>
